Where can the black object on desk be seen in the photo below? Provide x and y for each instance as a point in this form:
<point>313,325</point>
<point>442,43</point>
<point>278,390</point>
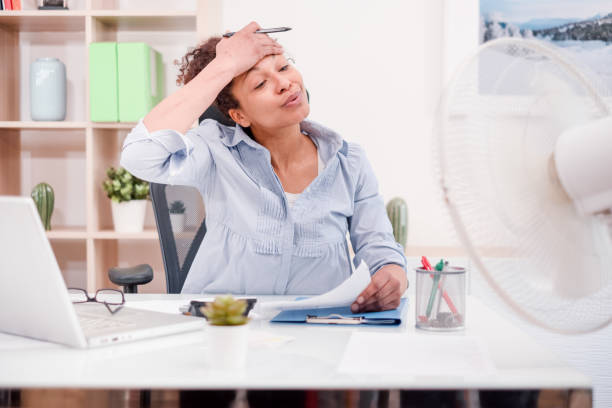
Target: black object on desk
<point>195,305</point>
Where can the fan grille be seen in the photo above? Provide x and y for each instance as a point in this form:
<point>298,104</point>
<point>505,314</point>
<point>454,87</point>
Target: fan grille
<point>495,138</point>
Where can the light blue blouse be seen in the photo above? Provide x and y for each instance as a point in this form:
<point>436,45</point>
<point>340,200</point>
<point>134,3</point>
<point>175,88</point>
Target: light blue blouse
<point>255,243</point>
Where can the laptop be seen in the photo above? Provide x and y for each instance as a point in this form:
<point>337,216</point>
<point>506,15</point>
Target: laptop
<point>34,300</point>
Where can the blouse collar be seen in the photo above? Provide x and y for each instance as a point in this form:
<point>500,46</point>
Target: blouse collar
<point>328,141</point>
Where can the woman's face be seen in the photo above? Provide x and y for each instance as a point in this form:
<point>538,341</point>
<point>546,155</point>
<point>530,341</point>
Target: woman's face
<point>270,95</point>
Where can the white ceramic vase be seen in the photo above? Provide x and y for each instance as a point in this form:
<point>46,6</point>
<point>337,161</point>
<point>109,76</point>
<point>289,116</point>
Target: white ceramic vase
<point>178,222</point>
<point>128,216</point>
<point>48,89</point>
<point>227,346</point>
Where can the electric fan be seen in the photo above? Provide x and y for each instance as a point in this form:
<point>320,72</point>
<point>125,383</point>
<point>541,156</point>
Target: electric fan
<point>523,151</point>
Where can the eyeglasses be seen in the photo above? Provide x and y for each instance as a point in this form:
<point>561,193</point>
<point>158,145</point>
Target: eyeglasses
<point>108,297</point>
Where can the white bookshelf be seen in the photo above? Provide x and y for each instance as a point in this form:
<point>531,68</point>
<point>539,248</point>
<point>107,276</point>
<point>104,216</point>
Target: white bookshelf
<point>73,155</point>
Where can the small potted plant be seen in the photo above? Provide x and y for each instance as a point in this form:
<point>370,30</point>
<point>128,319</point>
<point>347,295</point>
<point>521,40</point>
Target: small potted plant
<point>228,332</point>
<point>128,196</point>
<point>44,197</point>
<point>177,216</point>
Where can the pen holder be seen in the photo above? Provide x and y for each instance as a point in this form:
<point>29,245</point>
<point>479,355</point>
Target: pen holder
<point>440,299</point>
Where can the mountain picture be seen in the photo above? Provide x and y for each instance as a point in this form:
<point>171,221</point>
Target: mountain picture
<point>581,28</point>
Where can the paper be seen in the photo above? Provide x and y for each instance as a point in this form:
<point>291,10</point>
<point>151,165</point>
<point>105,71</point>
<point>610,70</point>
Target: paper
<point>342,295</point>
<point>413,354</point>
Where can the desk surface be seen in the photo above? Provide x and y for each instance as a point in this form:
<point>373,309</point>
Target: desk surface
<point>311,360</point>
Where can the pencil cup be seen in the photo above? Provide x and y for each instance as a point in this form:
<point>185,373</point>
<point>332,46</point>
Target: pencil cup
<point>440,299</point>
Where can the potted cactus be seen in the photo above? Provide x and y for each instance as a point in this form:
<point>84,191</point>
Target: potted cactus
<point>397,211</point>
<point>44,198</point>
<point>177,216</point>
<point>128,196</point>
<point>227,332</point>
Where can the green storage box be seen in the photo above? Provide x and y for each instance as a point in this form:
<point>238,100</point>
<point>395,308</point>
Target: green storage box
<point>140,80</point>
<point>103,101</point>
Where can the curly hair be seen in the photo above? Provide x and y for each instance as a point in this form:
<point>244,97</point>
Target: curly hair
<point>195,61</point>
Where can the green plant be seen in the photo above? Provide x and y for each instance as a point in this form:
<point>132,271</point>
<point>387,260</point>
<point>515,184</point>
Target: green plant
<point>177,207</point>
<point>397,211</point>
<point>226,311</point>
<point>43,196</point>
<point>122,186</point>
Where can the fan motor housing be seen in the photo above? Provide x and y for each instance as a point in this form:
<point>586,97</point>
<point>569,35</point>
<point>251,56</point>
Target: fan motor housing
<point>583,157</point>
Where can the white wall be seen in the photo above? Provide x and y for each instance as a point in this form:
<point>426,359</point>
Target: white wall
<point>374,72</point>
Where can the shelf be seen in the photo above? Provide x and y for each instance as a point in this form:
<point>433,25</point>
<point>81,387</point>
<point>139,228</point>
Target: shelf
<point>16,124</point>
<point>74,20</point>
<point>67,233</point>
<point>113,125</point>
<point>111,234</point>
<point>189,235</point>
<point>138,13</point>
<point>151,21</point>
<point>98,13</point>
<point>73,155</point>
<point>51,20</point>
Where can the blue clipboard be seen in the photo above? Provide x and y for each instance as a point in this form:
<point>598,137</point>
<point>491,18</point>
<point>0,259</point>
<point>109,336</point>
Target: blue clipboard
<point>342,316</point>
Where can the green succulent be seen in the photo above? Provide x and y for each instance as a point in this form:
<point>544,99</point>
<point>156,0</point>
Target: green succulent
<point>122,186</point>
<point>177,207</point>
<point>226,311</point>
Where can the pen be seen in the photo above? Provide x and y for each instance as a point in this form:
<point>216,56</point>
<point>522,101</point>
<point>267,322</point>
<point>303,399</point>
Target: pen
<point>441,288</point>
<point>434,287</point>
<point>263,31</point>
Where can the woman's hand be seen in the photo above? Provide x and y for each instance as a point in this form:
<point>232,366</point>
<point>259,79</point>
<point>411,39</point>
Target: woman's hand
<point>245,48</point>
<point>384,291</point>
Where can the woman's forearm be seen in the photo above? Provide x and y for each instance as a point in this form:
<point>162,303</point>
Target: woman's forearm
<point>179,110</point>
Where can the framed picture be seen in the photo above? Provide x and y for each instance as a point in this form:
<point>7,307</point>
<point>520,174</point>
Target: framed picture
<point>581,29</point>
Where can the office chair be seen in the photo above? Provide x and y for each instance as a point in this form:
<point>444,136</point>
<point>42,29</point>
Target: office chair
<point>178,249</point>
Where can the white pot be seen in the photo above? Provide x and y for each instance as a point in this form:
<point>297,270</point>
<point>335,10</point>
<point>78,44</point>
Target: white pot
<point>129,216</point>
<point>178,222</point>
<point>227,346</point>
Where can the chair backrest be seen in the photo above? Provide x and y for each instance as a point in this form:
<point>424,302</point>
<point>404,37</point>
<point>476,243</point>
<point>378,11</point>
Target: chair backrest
<point>214,113</point>
<point>180,235</point>
<point>179,245</point>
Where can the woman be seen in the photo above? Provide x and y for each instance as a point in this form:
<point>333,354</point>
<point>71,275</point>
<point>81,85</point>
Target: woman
<point>280,192</point>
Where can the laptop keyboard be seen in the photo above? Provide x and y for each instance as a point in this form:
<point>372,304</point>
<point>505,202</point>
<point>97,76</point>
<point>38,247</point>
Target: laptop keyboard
<point>100,323</point>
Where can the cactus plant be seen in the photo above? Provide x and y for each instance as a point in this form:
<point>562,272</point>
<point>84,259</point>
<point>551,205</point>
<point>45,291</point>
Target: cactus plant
<point>226,311</point>
<point>397,211</point>
<point>177,207</point>
<point>122,186</point>
<point>44,197</point>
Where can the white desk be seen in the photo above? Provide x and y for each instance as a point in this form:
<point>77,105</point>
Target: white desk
<point>310,361</point>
